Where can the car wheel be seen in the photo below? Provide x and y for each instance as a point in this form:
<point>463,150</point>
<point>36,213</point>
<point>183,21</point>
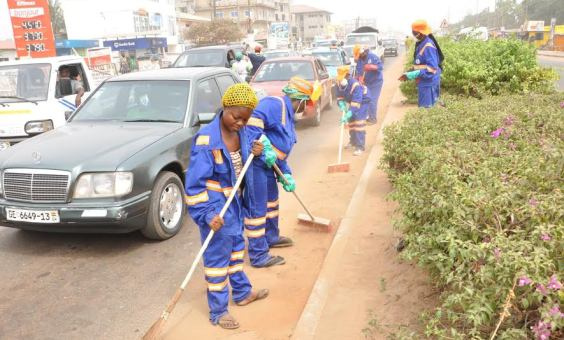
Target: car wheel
<point>316,120</point>
<point>166,209</point>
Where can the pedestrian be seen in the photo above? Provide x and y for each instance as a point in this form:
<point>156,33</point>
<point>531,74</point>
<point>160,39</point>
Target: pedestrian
<point>427,61</point>
<point>349,90</point>
<point>408,42</point>
<point>370,72</point>
<point>256,59</point>
<point>273,118</point>
<point>241,66</point>
<point>218,155</point>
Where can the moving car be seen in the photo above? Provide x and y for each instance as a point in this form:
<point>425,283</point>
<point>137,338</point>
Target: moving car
<point>390,47</point>
<point>118,164</point>
<point>332,58</point>
<point>274,74</point>
<point>209,56</point>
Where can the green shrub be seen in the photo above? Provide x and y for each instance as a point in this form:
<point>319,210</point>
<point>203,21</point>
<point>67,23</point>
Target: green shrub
<point>477,68</point>
<point>479,185</point>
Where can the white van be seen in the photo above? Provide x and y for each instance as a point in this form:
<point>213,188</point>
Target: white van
<point>366,36</point>
<point>33,99</point>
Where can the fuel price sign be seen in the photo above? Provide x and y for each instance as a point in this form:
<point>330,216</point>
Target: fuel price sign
<point>31,25</point>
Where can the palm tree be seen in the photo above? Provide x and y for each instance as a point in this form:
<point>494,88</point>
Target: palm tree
<point>57,19</point>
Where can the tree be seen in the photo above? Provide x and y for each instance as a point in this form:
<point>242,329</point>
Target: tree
<point>57,19</point>
<point>214,32</point>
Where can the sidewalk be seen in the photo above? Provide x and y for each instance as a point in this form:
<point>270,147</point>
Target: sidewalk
<point>559,54</point>
<point>363,289</point>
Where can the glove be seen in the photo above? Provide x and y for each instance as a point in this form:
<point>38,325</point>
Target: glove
<point>289,184</point>
<point>412,74</point>
<point>268,152</point>
<point>342,105</point>
<point>346,117</point>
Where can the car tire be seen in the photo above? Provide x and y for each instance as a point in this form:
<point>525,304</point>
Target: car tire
<point>166,207</point>
<point>316,120</point>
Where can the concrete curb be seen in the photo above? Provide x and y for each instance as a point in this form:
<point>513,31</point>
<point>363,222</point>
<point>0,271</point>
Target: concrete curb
<point>557,54</point>
<point>311,315</point>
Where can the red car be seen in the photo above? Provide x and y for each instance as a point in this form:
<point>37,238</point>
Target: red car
<point>274,74</point>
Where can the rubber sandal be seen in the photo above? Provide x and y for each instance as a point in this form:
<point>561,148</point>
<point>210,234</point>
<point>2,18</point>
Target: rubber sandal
<point>261,294</point>
<point>272,261</point>
<point>283,241</point>
<point>228,322</point>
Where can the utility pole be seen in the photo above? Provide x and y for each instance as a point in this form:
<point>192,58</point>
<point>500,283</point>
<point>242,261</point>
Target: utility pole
<point>250,28</point>
<point>213,10</point>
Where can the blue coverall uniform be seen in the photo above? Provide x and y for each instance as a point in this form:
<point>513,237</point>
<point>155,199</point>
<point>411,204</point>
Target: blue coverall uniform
<point>429,79</point>
<point>209,181</point>
<point>374,80</point>
<point>256,61</point>
<point>358,96</point>
<point>273,117</point>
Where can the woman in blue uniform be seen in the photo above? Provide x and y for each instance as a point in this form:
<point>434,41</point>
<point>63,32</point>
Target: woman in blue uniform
<point>427,60</point>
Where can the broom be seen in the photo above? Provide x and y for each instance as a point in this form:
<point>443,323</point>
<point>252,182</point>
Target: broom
<point>156,328</point>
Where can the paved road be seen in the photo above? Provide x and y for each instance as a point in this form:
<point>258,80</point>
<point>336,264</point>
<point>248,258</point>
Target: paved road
<point>61,286</point>
<point>558,65</point>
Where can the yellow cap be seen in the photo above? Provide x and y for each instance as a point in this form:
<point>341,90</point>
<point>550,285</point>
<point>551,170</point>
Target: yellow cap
<point>342,72</point>
<point>356,51</point>
<point>241,95</point>
<point>421,26</point>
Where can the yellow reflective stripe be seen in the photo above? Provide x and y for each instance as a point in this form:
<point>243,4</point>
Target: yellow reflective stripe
<point>235,268</point>
<point>272,214</point>
<point>256,233</point>
<point>355,104</point>
<point>214,186</point>
<point>218,157</point>
<point>255,221</point>
<point>217,287</point>
<point>283,111</point>
<point>419,67</point>
<point>13,112</point>
<point>272,204</point>
<point>199,198</point>
<point>215,272</point>
<point>358,128</point>
<point>357,122</point>
<point>279,154</point>
<point>354,87</point>
<point>253,121</point>
<point>424,47</point>
<point>432,70</point>
<point>237,255</point>
<point>203,140</point>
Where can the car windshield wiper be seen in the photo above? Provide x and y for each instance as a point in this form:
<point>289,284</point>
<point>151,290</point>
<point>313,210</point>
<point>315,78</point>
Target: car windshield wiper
<point>20,98</point>
<point>150,121</point>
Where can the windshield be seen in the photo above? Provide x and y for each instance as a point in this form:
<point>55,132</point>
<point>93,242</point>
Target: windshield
<point>329,58</point>
<point>388,42</point>
<point>283,71</point>
<point>367,39</point>
<point>25,81</point>
<point>280,54</point>
<point>128,101</point>
<point>200,59</point>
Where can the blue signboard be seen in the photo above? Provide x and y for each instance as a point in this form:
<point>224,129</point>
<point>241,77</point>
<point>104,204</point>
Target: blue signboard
<point>76,43</point>
<point>135,44</point>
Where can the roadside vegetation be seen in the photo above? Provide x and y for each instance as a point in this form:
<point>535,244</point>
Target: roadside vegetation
<point>479,184</point>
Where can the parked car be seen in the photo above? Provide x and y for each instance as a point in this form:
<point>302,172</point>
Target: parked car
<point>209,56</point>
<point>279,54</point>
<point>332,58</point>
<point>274,74</point>
<point>118,165</point>
<point>390,47</point>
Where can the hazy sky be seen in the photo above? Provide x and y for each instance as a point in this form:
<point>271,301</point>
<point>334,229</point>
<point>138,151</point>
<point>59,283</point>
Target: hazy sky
<point>391,14</point>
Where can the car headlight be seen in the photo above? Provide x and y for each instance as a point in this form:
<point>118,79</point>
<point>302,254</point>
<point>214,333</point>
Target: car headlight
<point>103,184</point>
<point>38,126</point>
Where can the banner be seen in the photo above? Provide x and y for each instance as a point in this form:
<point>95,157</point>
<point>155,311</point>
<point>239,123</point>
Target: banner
<point>279,35</point>
<point>31,25</point>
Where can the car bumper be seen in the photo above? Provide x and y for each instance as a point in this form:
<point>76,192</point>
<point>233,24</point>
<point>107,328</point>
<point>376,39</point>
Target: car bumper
<point>119,217</point>
<point>393,51</point>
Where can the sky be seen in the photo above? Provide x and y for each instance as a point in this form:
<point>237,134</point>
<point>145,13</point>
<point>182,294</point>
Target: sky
<point>395,15</point>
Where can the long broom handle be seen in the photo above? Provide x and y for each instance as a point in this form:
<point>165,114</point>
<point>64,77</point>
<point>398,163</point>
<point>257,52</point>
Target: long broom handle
<point>341,141</point>
<point>281,175</point>
<point>221,214</point>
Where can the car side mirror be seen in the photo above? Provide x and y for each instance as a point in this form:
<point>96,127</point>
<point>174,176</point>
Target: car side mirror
<point>68,114</point>
<point>205,118</point>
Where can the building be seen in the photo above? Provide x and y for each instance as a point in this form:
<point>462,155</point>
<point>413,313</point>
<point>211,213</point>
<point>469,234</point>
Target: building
<point>7,50</point>
<point>253,16</point>
<point>309,23</point>
<point>186,16</point>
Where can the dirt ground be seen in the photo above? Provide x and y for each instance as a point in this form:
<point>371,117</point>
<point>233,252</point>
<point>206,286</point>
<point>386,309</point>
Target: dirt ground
<point>290,285</point>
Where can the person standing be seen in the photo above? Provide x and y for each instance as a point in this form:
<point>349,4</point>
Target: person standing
<point>273,118</point>
<point>370,72</point>
<point>241,66</point>
<point>427,61</point>
<point>349,90</point>
<point>256,59</point>
<point>217,158</point>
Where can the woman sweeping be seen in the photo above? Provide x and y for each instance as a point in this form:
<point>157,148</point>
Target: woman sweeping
<point>427,69</point>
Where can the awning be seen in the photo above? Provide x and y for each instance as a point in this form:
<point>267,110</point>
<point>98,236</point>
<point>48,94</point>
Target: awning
<point>135,44</point>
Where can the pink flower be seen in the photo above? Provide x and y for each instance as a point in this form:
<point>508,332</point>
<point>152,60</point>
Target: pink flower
<point>533,202</point>
<point>554,283</point>
<point>545,237</point>
<point>542,289</point>
<point>542,330</point>
<point>509,120</point>
<point>496,133</point>
<point>562,105</point>
<point>555,311</point>
<point>497,253</point>
<point>524,281</point>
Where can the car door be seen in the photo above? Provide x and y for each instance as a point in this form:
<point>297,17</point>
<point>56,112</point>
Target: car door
<point>323,76</point>
<point>207,97</point>
<point>224,80</point>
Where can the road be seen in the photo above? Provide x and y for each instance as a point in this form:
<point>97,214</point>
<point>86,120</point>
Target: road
<point>557,63</point>
<point>65,286</point>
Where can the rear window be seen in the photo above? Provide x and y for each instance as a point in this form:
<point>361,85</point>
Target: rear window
<point>361,39</point>
<point>201,59</point>
<point>329,58</point>
<point>283,71</point>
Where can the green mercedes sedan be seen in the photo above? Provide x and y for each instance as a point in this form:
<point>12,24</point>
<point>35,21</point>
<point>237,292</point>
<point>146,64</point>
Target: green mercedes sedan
<point>118,164</point>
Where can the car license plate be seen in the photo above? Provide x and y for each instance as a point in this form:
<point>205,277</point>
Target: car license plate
<point>33,216</point>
